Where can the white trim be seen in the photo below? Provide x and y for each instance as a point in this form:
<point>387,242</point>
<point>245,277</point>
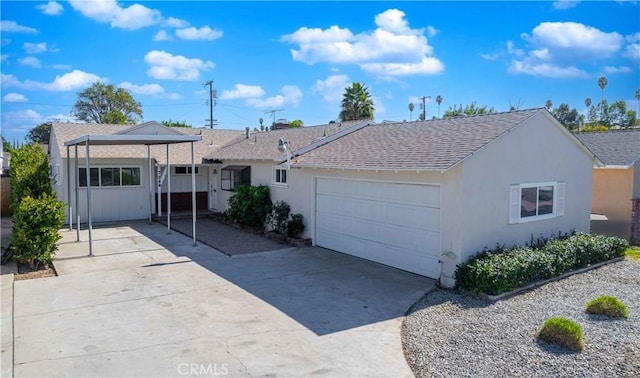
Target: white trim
<point>280,184</point>
<point>515,201</point>
<point>101,166</point>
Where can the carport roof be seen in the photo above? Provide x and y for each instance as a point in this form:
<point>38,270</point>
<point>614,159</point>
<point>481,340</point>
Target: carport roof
<point>110,140</point>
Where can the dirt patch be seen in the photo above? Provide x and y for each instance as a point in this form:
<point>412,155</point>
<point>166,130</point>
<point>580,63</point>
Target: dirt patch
<point>40,271</point>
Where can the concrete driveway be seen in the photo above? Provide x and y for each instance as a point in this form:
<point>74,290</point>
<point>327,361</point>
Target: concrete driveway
<point>151,304</point>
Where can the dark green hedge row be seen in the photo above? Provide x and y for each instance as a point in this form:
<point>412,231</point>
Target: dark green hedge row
<point>501,270</point>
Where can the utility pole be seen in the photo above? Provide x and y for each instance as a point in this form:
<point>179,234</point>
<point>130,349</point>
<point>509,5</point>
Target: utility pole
<point>212,95</point>
<point>423,106</point>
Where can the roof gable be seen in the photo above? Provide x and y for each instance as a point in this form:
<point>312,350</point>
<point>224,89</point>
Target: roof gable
<point>614,148</point>
<point>150,128</point>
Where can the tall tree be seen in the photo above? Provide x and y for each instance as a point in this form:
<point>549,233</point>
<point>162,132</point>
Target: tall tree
<point>637,95</point>
<point>602,83</point>
<point>104,103</point>
<point>548,104</point>
<point>439,101</point>
<point>40,134</point>
<point>411,107</point>
<point>356,103</point>
<point>471,109</point>
<point>570,118</point>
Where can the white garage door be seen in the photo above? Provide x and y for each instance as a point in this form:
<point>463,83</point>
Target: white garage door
<point>390,223</point>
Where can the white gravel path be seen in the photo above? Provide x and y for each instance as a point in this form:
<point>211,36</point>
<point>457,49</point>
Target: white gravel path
<point>455,335</point>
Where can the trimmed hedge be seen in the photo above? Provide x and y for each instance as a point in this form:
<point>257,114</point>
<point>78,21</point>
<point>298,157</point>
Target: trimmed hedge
<point>564,332</point>
<point>501,270</point>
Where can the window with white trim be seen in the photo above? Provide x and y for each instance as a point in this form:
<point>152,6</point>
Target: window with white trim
<point>110,176</point>
<point>186,170</point>
<point>280,176</point>
<point>536,201</point>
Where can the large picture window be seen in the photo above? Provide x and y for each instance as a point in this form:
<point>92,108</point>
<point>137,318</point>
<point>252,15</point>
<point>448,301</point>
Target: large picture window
<point>184,170</point>
<point>110,176</point>
<point>536,201</point>
<point>234,175</point>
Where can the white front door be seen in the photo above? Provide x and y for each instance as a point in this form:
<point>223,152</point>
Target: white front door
<point>213,187</point>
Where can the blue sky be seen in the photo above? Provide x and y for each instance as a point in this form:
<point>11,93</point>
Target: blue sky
<point>299,56</point>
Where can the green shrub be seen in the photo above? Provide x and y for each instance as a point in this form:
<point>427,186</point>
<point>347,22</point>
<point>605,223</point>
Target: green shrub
<point>249,205</point>
<point>607,305</point>
<point>279,217</point>
<point>563,332</point>
<point>29,174</point>
<point>35,231</point>
<point>295,226</point>
<point>501,270</point>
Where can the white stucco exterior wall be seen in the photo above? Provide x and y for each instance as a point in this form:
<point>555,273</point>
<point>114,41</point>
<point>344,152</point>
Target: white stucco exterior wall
<point>536,151</point>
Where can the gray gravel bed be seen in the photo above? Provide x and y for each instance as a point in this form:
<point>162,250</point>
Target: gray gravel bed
<point>451,334</point>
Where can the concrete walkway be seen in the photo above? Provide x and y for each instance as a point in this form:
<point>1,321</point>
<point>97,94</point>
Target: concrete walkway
<point>6,303</point>
<point>151,304</point>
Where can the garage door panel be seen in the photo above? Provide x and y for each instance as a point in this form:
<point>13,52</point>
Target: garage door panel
<point>391,223</point>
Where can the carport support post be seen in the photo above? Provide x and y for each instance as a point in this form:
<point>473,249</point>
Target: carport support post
<point>88,169</point>
<point>168,192</point>
<point>69,189</point>
<point>150,181</point>
<point>193,194</point>
<point>76,176</point>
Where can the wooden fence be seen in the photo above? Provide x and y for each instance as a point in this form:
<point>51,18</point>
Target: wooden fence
<point>5,196</point>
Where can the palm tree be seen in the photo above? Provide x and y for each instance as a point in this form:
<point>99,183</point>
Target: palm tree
<point>356,103</point>
<point>548,104</point>
<point>439,101</point>
<point>411,107</point>
<point>602,83</point>
<point>588,102</point>
<point>638,98</point>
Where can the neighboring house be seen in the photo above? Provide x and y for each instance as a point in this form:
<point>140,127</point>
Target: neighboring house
<point>420,196</point>
<point>616,185</point>
<point>120,173</point>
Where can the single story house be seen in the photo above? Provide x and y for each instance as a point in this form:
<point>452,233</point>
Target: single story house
<point>421,196</point>
<point>616,184</point>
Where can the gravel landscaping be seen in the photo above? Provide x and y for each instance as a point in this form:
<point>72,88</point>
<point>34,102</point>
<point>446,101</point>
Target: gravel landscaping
<point>447,333</point>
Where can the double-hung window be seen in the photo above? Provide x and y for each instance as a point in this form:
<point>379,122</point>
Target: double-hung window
<point>280,176</point>
<point>536,201</point>
<point>234,175</point>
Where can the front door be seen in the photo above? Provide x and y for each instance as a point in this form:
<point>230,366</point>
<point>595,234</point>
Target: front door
<point>213,187</point>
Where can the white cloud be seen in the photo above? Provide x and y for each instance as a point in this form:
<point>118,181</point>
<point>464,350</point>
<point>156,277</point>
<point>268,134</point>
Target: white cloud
<point>378,105</point>
<point>431,31</point>
<point>632,52</point>
<point>291,95</point>
<point>203,33</point>
<point>30,61</point>
<point>174,67</point>
<point>3,57</point>
<point>133,17</point>
<point>64,67</point>
<point>70,81</point>
<point>564,4</point>
<point>546,70</point>
<point>332,88</point>
<point>162,35</point>
<point>51,8</point>
<point>8,80</point>
<point>392,44</point>
<point>635,37</point>
<point>148,89</point>
<point>556,49</point>
<point>242,91</point>
<point>36,48</point>
<point>14,97</point>
<point>173,22</point>
<point>617,70</point>
<point>14,27</point>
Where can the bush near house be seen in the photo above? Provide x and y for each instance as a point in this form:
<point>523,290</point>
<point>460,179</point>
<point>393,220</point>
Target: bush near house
<point>501,270</point>
<point>563,332</point>
<point>295,226</point>
<point>607,305</point>
<point>249,205</point>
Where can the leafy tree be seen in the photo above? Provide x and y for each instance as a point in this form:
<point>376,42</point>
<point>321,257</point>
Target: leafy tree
<point>40,133</point>
<point>296,123</point>
<point>471,109</point>
<point>548,104</point>
<point>6,146</point>
<point>570,118</point>
<point>356,103</point>
<point>619,116</point>
<point>171,123</point>
<point>411,107</point>
<point>439,101</point>
<point>29,174</point>
<point>104,103</point>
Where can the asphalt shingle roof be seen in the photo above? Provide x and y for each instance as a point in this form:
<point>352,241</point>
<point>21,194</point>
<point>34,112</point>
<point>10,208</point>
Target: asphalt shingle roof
<point>179,153</point>
<point>423,145</point>
<point>614,147</point>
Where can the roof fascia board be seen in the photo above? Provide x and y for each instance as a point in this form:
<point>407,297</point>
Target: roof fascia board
<point>332,137</point>
<point>132,139</point>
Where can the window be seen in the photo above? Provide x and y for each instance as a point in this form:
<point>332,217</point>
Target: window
<point>234,175</point>
<point>186,170</point>
<point>280,176</point>
<point>110,176</point>
<point>537,201</point>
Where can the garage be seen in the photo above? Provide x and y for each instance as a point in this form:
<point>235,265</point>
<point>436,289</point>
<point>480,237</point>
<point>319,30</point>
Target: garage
<point>396,224</point>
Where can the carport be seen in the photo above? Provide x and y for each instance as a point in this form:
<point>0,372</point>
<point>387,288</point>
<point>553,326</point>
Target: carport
<point>120,139</point>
